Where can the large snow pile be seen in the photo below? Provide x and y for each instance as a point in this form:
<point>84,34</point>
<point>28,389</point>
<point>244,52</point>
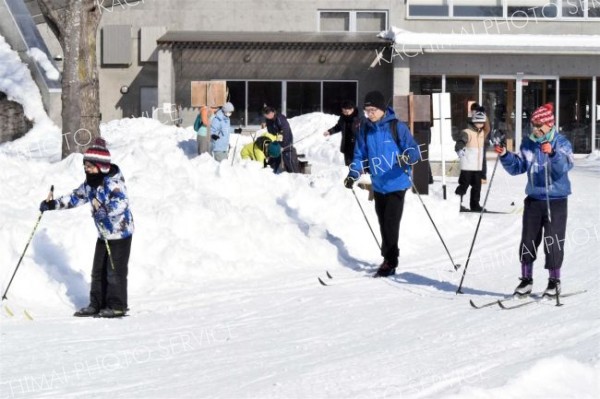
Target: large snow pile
<point>223,284</point>
<point>16,82</point>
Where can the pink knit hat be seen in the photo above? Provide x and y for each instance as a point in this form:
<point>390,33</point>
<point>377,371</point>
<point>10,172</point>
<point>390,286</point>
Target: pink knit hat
<point>544,115</point>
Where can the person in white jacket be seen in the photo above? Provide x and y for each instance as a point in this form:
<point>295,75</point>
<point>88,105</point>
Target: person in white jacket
<point>470,149</point>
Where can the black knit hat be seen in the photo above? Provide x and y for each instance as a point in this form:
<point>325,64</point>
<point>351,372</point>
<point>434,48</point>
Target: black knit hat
<point>375,99</point>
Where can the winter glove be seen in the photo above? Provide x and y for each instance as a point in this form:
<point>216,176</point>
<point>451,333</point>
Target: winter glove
<point>461,153</point>
<point>547,148</point>
<point>500,150</point>
<point>47,206</point>
<point>214,137</point>
<point>238,130</point>
<point>348,182</point>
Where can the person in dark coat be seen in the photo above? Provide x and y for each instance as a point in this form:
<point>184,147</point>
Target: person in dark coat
<point>348,124</point>
<point>388,157</point>
<point>104,189</point>
<point>278,125</point>
<point>545,156</point>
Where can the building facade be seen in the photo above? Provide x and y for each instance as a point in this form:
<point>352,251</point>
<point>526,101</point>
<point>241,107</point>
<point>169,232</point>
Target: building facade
<point>305,56</point>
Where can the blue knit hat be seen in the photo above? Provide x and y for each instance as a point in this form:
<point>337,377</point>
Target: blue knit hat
<point>274,150</point>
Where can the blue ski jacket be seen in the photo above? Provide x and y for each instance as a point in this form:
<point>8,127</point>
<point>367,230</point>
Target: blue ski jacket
<point>532,160</point>
<point>219,132</point>
<point>376,148</point>
<point>113,217</point>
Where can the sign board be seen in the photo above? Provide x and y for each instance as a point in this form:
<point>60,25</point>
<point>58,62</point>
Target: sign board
<point>212,93</point>
<point>421,108</point>
<point>441,106</point>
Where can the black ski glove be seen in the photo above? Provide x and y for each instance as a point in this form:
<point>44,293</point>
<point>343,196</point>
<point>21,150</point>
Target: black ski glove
<point>47,206</point>
<point>214,137</point>
<point>348,182</point>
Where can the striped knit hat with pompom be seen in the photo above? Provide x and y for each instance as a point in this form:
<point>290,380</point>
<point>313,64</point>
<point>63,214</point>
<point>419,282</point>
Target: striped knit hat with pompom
<point>543,115</point>
<point>98,155</point>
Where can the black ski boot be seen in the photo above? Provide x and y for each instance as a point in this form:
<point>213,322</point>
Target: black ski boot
<point>88,311</point>
<point>553,288</point>
<point>111,313</point>
<point>385,270</point>
<point>476,208</point>
<point>525,287</point>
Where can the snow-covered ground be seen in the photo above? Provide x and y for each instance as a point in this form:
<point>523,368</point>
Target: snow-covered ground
<point>224,295</point>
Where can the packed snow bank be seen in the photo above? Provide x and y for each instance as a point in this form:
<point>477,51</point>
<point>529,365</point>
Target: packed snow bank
<point>223,284</point>
<point>556,377</point>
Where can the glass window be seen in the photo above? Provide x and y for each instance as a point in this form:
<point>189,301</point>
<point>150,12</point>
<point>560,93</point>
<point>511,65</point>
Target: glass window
<point>462,90</point>
<point>572,8</point>
<point>426,85</point>
<point>237,96</point>
<point>477,8</point>
<point>259,95</point>
<point>303,98</point>
<point>597,113</point>
<point>370,21</point>
<point>532,8</point>
<point>334,93</point>
<point>593,7</point>
<point>428,8</point>
<point>576,113</point>
<point>334,21</point>
<point>499,98</point>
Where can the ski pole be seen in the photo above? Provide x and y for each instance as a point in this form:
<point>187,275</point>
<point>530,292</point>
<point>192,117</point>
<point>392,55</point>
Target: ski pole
<point>365,216</point>
<point>50,195</point>
<point>546,178</point>
<point>110,258</point>
<point>459,291</point>
<point>455,265</point>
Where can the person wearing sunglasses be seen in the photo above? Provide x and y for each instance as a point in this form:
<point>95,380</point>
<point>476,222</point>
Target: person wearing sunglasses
<point>546,156</point>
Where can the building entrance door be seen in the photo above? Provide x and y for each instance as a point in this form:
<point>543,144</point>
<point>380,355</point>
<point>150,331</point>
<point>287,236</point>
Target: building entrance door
<point>498,97</point>
<point>533,91</point>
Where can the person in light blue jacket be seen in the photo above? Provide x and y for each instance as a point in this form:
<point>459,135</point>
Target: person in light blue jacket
<point>386,149</point>
<point>220,127</point>
<point>546,157</point>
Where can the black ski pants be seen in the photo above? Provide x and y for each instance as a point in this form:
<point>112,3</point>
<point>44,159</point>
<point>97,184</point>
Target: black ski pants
<point>389,209</point>
<point>537,226</point>
<point>470,178</point>
<point>109,286</point>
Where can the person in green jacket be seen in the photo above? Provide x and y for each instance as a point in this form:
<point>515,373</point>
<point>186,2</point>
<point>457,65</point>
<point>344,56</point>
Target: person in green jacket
<point>264,149</point>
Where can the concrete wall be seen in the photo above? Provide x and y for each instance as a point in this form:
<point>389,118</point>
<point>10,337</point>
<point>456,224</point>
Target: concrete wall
<point>498,64</point>
<point>294,15</point>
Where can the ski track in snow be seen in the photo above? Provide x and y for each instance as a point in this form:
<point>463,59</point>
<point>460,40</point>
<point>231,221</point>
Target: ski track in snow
<point>224,295</point>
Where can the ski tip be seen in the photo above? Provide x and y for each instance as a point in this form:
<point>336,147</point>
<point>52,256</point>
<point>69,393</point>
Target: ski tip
<point>457,266</point>
<point>322,282</point>
<point>473,304</point>
<point>328,275</point>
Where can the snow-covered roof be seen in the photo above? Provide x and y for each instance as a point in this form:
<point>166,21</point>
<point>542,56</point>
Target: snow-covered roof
<point>465,42</point>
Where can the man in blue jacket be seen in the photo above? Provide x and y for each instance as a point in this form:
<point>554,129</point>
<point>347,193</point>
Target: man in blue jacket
<point>546,156</point>
<point>387,148</point>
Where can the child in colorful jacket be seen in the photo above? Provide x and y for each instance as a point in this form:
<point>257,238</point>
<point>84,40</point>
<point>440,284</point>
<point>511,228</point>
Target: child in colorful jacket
<point>546,156</point>
<point>104,188</point>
